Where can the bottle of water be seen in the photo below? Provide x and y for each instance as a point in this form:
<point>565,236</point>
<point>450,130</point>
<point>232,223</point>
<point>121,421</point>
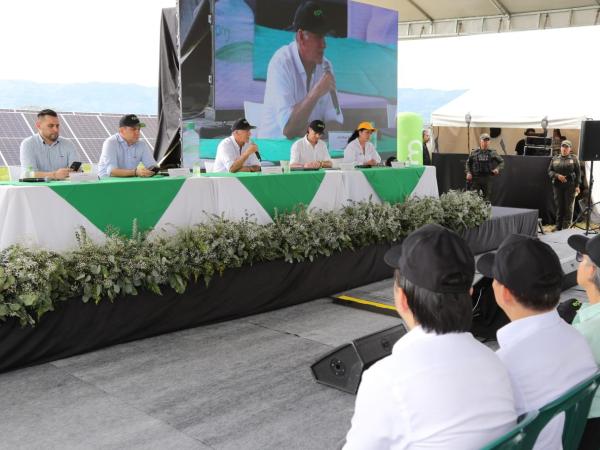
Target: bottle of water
<point>30,172</point>
<point>190,145</point>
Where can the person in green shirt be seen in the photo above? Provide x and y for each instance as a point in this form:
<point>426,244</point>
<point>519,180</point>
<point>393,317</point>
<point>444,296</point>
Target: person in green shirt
<point>587,320</point>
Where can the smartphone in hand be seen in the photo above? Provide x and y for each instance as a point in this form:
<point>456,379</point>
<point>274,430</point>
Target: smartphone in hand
<point>75,165</point>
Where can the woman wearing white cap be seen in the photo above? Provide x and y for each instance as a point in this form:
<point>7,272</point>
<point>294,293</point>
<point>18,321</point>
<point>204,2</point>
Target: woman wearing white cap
<point>359,150</point>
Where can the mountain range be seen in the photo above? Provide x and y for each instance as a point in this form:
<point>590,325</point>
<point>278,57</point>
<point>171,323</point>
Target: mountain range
<point>133,98</point>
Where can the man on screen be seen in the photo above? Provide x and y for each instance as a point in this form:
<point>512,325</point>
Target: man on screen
<point>300,83</point>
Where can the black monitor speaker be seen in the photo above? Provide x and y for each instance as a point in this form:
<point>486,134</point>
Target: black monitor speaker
<point>342,368</point>
<point>589,140</point>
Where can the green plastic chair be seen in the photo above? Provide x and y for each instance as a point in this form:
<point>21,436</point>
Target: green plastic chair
<point>575,403</point>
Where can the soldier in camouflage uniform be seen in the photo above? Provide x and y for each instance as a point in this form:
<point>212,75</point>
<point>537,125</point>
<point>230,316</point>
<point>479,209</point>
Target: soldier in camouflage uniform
<point>564,172</point>
<point>482,165</point>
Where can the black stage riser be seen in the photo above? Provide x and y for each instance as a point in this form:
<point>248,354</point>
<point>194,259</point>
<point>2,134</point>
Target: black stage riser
<point>524,182</point>
<point>76,327</point>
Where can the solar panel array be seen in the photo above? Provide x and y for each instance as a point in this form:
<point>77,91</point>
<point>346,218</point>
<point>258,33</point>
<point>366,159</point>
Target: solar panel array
<point>86,130</point>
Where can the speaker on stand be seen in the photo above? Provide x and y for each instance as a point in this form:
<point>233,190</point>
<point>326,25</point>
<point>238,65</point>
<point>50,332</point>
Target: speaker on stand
<point>343,367</point>
<point>589,150</point>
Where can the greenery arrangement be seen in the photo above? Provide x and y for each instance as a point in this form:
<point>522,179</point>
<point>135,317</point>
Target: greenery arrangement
<point>33,281</point>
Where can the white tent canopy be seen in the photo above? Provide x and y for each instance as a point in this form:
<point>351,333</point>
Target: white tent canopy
<point>524,105</point>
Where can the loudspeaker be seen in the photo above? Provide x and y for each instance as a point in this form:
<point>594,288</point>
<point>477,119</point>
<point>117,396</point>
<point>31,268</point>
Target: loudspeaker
<point>589,140</point>
<point>342,368</point>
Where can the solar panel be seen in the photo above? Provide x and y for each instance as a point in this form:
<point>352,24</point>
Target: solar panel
<point>32,117</point>
<point>93,147</point>
<point>85,127</point>
<point>9,147</point>
<point>12,125</point>
<point>87,131</point>
<point>111,123</point>
<point>151,128</point>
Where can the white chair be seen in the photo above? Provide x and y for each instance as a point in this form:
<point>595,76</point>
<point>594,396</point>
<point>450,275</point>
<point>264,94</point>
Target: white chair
<point>335,162</point>
<point>208,166</point>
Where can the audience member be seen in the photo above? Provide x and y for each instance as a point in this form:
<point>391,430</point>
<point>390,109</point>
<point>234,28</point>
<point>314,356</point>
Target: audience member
<point>587,321</point>
<point>544,355</point>
<point>440,387</point>
<point>45,153</point>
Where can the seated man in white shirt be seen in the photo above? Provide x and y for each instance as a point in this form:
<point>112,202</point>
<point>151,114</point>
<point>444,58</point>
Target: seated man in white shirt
<point>311,152</point>
<point>440,387</point>
<point>236,153</point>
<point>544,355</point>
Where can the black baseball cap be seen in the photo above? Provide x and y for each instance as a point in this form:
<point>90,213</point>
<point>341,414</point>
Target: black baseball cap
<point>586,246</point>
<point>241,124</point>
<point>523,264</point>
<point>310,16</point>
<point>130,120</point>
<point>434,258</point>
<point>317,126</point>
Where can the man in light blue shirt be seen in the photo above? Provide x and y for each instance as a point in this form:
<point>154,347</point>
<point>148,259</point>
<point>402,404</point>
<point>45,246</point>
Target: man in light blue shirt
<point>46,154</point>
<point>122,152</point>
<point>587,321</point>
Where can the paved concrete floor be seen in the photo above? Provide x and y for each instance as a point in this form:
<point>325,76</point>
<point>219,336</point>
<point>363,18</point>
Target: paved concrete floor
<point>243,384</point>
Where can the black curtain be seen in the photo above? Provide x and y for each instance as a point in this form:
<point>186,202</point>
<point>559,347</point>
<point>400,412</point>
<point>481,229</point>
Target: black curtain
<point>167,149</point>
<point>524,182</point>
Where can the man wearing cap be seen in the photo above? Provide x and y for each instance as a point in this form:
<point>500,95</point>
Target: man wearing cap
<point>123,152</point>
<point>565,175</point>
<point>300,85</point>
<point>440,387</point>
<point>482,164</point>
<point>544,355</point>
<point>236,153</point>
<point>45,153</point>
<point>587,321</point>
<point>310,151</point>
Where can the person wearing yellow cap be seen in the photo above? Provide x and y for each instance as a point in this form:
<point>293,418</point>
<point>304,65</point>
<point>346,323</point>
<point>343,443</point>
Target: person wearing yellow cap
<point>360,150</point>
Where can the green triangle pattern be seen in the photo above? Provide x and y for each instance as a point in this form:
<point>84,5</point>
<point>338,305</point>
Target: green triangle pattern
<point>391,186</point>
<point>116,202</point>
<point>283,192</point>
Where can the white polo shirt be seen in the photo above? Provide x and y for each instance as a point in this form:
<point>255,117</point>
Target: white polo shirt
<point>303,152</point>
<point>353,153</point>
<point>286,87</point>
<point>545,357</point>
<point>228,151</point>
<point>434,391</point>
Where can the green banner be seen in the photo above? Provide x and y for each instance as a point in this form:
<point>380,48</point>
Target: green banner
<point>116,202</point>
<point>280,193</point>
<point>389,186</point>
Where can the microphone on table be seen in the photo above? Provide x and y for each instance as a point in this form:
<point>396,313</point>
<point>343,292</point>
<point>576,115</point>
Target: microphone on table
<point>332,93</point>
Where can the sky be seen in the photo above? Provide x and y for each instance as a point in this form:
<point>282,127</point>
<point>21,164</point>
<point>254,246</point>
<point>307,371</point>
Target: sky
<point>535,57</point>
<point>79,41</point>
